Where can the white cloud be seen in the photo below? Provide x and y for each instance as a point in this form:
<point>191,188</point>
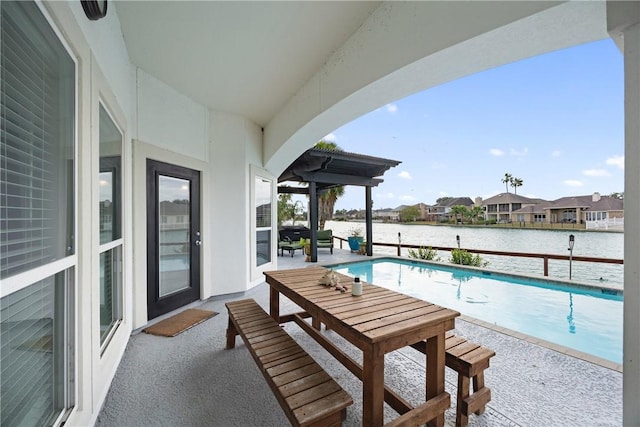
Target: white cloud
<point>573,183</point>
<point>405,175</point>
<point>496,152</point>
<point>407,198</point>
<point>330,138</point>
<point>517,153</point>
<point>391,108</point>
<point>596,172</point>
<point>617,161</point>
<point>556,153</point>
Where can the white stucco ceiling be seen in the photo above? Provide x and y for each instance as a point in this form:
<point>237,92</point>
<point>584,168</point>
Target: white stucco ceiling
<point>245,58</point>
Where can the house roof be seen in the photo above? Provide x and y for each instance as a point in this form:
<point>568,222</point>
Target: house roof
<point>330,168</point>
<point>533,209</point>
<point>510,198</point>
<point>455,201</point>
<point>605,203</point>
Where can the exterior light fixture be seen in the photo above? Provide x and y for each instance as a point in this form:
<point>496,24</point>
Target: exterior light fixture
<point>458,240</point>
<point>571,242</point>
<point>94,9</point>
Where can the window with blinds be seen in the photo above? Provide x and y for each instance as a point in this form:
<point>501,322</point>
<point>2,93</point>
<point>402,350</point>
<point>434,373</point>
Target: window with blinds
<point>37,139</point>
<point>36,149</point>
<point>30,348</point>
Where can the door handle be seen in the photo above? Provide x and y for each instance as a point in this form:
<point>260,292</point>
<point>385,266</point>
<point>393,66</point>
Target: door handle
<point>197,242</point>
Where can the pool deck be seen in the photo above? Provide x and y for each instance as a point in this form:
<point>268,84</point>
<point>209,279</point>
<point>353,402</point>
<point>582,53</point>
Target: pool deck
<point>191,380</point>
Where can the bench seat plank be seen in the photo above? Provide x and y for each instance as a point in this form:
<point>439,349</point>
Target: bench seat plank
<point>306,393</point>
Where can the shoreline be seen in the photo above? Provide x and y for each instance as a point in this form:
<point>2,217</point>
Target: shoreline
<point>511,226</point>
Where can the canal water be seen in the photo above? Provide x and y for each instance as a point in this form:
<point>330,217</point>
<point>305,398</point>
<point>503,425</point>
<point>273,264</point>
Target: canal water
<point>587,243</point>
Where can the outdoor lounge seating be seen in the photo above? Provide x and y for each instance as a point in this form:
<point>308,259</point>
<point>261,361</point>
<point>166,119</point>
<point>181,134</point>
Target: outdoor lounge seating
<point>308,395</point>
<point>325,239</point>
<point>288,245</point>
<point>289,239</point>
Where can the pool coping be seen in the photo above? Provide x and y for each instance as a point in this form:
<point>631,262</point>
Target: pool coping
<point>605,363</point>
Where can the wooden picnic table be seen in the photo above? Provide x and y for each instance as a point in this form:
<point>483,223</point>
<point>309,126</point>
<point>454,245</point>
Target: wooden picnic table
<point>378,322</point>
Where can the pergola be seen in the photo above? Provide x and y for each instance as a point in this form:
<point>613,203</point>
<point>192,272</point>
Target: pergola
<point>324,169</point>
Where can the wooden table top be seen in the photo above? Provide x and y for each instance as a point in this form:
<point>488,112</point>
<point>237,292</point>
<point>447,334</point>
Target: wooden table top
<point>379,315</point>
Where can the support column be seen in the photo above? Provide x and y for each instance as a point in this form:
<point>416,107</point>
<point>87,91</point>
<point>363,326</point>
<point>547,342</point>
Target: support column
<point>631,347</point>
<point>623,25</point>
<point>369,220</point>
<point>313,220</point>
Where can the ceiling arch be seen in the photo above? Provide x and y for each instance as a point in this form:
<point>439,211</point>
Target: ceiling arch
<point>404,48</point>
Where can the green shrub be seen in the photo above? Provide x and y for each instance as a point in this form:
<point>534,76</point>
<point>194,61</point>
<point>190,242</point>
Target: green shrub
<point>462,257</point>
<point>428,254</point>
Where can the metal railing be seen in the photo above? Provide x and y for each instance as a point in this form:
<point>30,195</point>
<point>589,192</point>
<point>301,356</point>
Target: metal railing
<point>544,257</point>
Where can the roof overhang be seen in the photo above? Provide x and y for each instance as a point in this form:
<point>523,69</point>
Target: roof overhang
<point>329,168</point>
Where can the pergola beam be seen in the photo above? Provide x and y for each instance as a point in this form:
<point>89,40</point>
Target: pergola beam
<point>339,179</point>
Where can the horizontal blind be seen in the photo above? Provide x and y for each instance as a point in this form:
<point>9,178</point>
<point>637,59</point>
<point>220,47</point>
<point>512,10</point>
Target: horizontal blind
<point>27,354</point>
<point>36,104</point>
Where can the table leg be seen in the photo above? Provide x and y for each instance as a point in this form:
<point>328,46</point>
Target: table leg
<point>274,304</point>
<point>435,373</point>
<point>372,388</point>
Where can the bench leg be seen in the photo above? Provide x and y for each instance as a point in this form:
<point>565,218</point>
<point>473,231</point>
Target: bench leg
<point>333,420</point>
<point>317,325</point>
<point>231,335</point>
<point>463,392</point>
<point>478,384</point>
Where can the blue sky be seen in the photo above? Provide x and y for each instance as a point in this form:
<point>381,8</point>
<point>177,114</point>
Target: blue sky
<point>555,121</point>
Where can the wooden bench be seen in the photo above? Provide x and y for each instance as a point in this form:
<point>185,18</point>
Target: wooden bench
<point>469,360</point>
<point>307,394</point>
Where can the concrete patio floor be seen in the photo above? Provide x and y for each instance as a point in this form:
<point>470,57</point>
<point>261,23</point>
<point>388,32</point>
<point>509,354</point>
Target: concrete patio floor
<point>191,380</point>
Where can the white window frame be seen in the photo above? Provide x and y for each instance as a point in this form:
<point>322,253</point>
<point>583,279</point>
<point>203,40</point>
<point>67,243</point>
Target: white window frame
<point>67,265</point>
<point>119,283</point>
<point>256,271</point>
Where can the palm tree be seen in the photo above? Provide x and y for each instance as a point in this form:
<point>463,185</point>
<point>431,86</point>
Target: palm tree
<point>507,180</point>
<point>475,212</point>
<point>458,210</point>
<point>515,183</point>
<point>327,201</point>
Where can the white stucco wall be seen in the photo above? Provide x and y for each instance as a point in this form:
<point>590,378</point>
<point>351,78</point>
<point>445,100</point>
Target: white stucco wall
<point>234,142</point>
<point>169,119</point>
<point>108,47</point>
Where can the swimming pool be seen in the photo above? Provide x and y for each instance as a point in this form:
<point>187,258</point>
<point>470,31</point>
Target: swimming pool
<point>578,317</point>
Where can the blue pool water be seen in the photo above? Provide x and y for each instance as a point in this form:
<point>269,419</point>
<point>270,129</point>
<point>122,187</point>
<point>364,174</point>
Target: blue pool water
<point>588,320</point>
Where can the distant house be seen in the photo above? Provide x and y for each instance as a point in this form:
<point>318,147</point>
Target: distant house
<point>595,211</point>
<point>441,211</point>
<point>503,208</point>
<point>174,215</point>
<point>388,214</point>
